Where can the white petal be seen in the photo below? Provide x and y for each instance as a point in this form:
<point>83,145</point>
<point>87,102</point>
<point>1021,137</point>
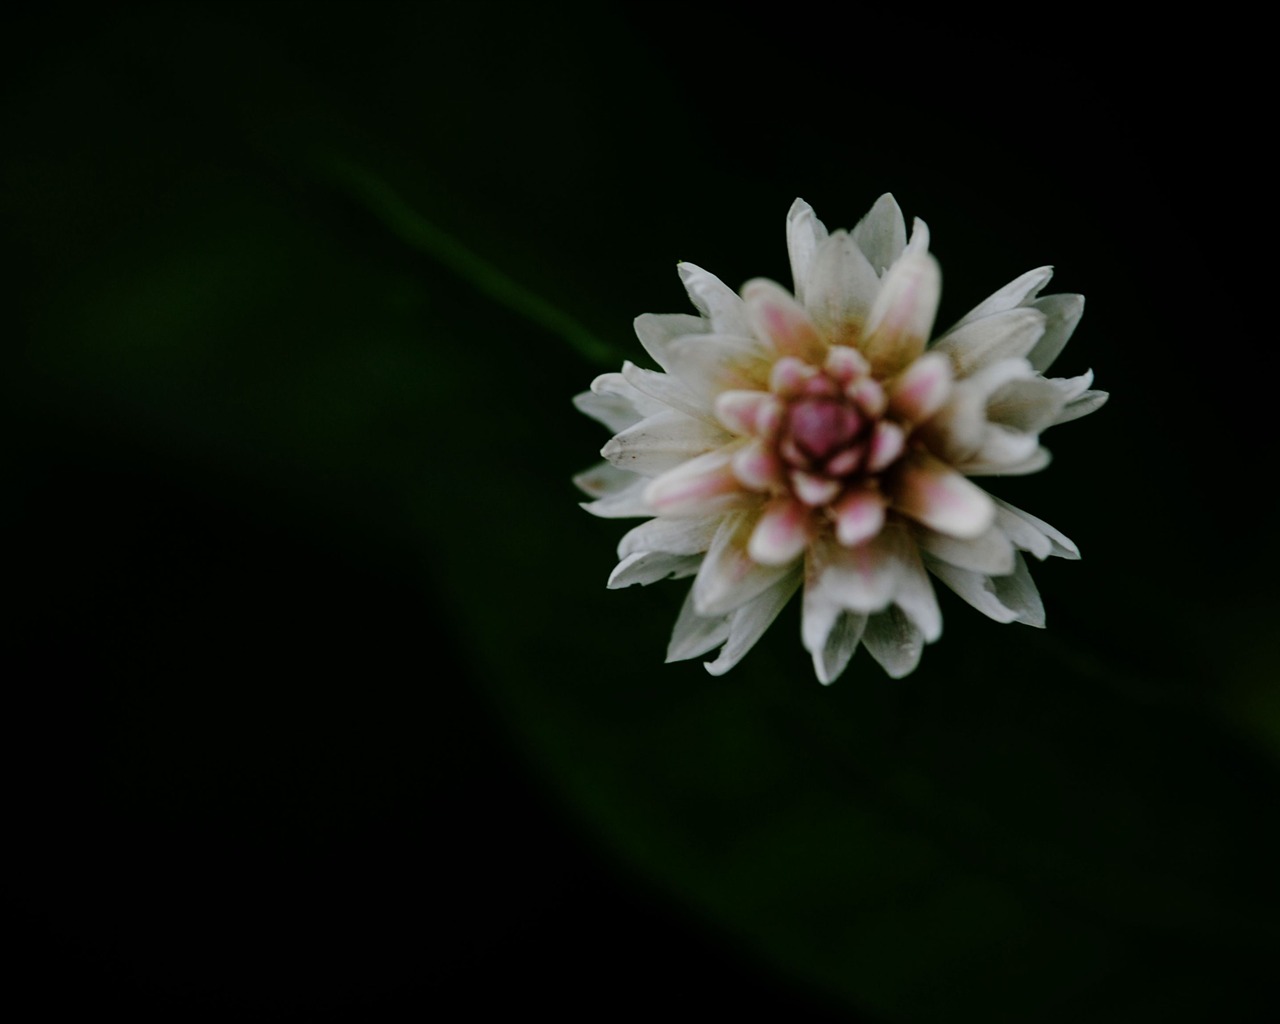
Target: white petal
<point>657,330</point>
<point>1019,292</point>
<point>1033,463</point>
<point>685,536</point>
<point>615,402</point>
<point>1027,405</point>
<point>990,552</point>
<point>712,363</point>
<point>715,300</point>
<point>861,579</point>
<point>750,622</point>
<point>729,577</point>
<point>603,478</point>
<point>934,494</point>
<point>1032,534</point>
<point>782,533</point>
<point>973,587</point>
<point>882,234</point>
<point>1008,335</point>
<point>661,443</point>
<point>840,638</point>
<point>804,234</point>
<point>1072,387</point>
<point>780,321</point>
<point>668,390</point>
<point>646,567</point>
<point>901,319</point>
<point>841,289</point>
<point>1090,401</point>
<point>894,641</point>
<point>1018,592</point>
<point>1009,598</point>
<point>694,634</point>
<point>698,487</point>
<point>830,632</point>
<point>1001,448</point>
<point>915,594</point>
<point>1061,314</point>
<point>623,504</point>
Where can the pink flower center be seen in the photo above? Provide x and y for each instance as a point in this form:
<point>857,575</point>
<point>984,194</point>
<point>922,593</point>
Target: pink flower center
<point>821,427</point>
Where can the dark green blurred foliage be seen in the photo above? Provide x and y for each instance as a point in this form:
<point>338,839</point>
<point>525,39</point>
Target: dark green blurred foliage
<point>317,702</point>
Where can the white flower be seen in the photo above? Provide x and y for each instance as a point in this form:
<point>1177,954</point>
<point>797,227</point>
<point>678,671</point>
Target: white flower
<point>819,442</point>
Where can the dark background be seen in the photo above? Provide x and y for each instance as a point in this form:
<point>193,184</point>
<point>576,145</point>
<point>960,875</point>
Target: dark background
<point>316,703</point>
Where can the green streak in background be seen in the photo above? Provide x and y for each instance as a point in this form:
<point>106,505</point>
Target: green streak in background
<point>414,229</point>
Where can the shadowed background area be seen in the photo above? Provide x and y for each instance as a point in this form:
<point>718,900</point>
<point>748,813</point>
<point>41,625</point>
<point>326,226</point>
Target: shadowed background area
<point>317,703</point>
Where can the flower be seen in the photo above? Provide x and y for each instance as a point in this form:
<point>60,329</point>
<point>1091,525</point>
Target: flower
<point>819,442</point>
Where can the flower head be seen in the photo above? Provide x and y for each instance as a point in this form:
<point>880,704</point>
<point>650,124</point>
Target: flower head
<point>818,441</point>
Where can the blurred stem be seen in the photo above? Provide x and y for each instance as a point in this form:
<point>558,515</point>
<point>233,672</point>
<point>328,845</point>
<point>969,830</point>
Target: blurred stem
<point>414,229</point>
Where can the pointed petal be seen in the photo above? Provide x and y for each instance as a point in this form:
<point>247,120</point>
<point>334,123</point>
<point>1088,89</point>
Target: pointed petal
<point>899,323</point>
<point>668,390</point>
<point>780,321</point>
<point>615,402</point>
<point>804,234</point>
<point>882,234</point>
<point>1090,401</point>
<point>657,330</point>
<point>1032,534</point>
<point>1019,292</point>
<point>934,494</point>
<point>715,300</point>
<point>698,487</point>
<point>831,635</point>
<point>862,579</point>
<point>922,389</point>
<point>1027,405</point>
<point>603,478</point>
<point>1008,335</point>
<point>1001,448</point>
<point>859,517</point>
<point>622,504</point>
<point>1072,387</point>
<point>750,622</point>
<point>841,289</point>
<point>729,577</point>
<point>1033,463</point>
<point>1018,592</point>
<point>990,553</point>
<point>694,634</point>
<point>915,594</point>
<point>973,587</point>
<point>645,567</point>
<point>710,364</point>
<point>663,442</point>
<point>1061,314</point>
<point>782,533</point>
<point>894,641</point>
<point>1010,598</point>
<point>685,536</point>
